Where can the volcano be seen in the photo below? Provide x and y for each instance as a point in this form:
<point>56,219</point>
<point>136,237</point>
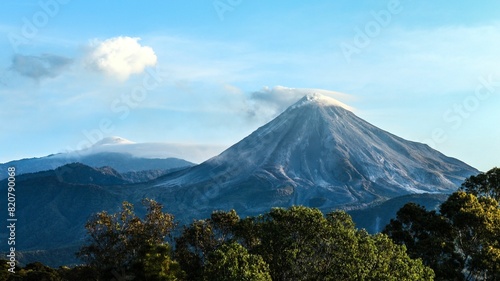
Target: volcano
<point>317,153</point>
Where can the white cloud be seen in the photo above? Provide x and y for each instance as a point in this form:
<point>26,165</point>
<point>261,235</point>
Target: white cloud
<point>120,57</point>
<point>269,102</point>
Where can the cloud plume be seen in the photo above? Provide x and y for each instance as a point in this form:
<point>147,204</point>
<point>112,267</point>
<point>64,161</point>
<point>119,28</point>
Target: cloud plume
<point>120,57</point>
<point>269,102</point>
<point>38,67</point>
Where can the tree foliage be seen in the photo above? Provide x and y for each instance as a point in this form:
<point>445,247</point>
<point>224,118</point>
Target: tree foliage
<point>35,271</point>
<point>429,236</point>
<point>462,242</point>
<point>298,235</point>
<point>301,244</point>
<point>121,242</point>
<point>156,264</point>
<point>298,243</point>
<point>484,184</point>
<point>202,238</point>
<point>476,223</point>
<point>233,262</point>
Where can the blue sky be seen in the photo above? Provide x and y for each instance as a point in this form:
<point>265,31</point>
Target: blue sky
<point>211,72</point>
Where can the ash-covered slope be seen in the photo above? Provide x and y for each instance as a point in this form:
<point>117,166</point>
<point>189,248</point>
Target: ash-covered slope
<point>317,153</point>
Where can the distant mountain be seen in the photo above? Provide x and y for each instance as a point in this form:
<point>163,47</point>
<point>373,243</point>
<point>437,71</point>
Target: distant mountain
<point>195,153</point>
<point>317,153</point>
<point>120,154</point>
<point>112,141</point>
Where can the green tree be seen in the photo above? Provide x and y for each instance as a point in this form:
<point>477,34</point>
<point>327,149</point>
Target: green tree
<point>429,236</point>
<point>233,262</point>
<point>156,264</point>
<point>294,242</point>
<point>80,273</point>
<point>462,242</point>
<point>360,256</point>
<point>301,244</point>
<point>484,184</point>
<point>476,222</point>
<point>202,238</point>
<point>298,243</point>
<point>389,261</point>
<point>4,270</point>
<point>35,271</point>
<point>116,242</point>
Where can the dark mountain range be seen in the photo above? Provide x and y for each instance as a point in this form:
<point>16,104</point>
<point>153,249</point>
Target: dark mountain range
<point>96,157</point>
<point>76,173</point>
<point>53,206</point>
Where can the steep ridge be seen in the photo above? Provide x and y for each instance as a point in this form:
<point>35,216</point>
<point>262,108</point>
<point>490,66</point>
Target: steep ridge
<point>77,173</point>
<point>316,153</point>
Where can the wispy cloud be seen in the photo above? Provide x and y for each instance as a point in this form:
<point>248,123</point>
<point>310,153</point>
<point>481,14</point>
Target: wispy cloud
<point>120,57</point>
<point>269,102</point>
<point>39,67</point>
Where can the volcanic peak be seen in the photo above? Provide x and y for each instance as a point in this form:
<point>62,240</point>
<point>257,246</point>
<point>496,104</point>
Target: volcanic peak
<point>320,100</point>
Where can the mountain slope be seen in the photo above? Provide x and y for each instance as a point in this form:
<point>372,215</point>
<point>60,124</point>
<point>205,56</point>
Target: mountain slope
<point>53,206</point>
<point>316,153</point>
